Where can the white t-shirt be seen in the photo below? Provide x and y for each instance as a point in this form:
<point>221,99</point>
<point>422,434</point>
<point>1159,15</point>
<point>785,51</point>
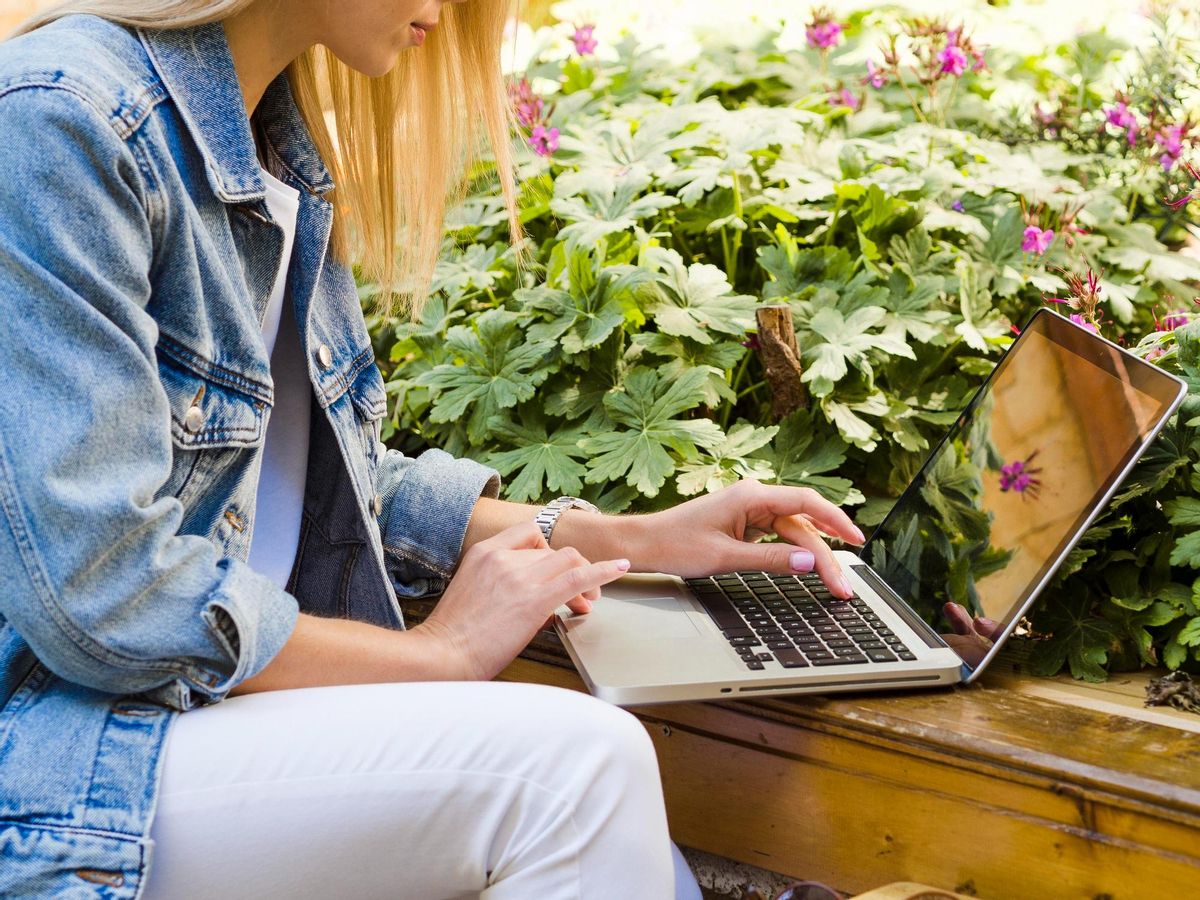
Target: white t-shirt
<point>275,531</point>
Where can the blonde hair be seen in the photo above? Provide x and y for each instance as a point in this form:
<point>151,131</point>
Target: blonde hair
<point>404,140</point>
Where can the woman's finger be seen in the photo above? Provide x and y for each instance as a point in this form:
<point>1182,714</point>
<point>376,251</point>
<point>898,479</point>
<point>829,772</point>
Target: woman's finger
<point>578,579</point>
<point>802,533</point>
<point>783,500</point>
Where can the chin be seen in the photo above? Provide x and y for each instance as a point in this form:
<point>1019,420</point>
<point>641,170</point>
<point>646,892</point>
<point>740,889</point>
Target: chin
<point>373,65</point>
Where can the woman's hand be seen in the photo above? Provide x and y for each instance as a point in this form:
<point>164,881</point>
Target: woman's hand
<point>505,589</point>
<point>716,533</point>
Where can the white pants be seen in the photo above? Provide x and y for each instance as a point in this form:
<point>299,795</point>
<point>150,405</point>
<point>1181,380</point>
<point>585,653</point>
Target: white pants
<point>427,791</point>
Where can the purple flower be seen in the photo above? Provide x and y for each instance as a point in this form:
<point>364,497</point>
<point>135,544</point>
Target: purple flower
<point>1121,116</point>
<point>1019,477</point>
<point>823,34</point>
<point>844,98</point>
<point>876,77</point>
<point>1084,323</point>
<point>953,58</point>
<point>957,206</point>
<point>1174,320</point>
<point>980,63</point>
<point>585,44</point>
<point>1037,240</point>
<point>1170,141</point>
<point>543,140</point>
<point>527,105</point>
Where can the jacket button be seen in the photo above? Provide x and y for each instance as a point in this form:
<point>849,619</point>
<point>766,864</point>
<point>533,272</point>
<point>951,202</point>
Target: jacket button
<point>377,505</point>
<point>325,356</point>
<point>194,419</point>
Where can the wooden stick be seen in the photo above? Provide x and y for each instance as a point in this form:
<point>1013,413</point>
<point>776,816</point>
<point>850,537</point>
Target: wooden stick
<point>781,360</point>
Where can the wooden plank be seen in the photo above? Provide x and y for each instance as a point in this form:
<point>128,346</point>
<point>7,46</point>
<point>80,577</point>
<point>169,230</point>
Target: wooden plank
<point>860,790</point>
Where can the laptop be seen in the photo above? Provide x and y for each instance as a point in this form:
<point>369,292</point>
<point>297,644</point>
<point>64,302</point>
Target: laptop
<point>980,531</point>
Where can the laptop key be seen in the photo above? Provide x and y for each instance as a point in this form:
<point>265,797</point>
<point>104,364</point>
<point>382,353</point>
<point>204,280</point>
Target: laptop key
<point>905,654</point>
<point>737,632</point>
<point>873,645</point>
<point>791,659</point>
<point>837,660</point>
<point>765,657</point>
<point>754,664</point>
<point>779,645</point>
<point>722,613</point>
<point>745,642</point>
<point>848,651</point>
<point>880,656</point>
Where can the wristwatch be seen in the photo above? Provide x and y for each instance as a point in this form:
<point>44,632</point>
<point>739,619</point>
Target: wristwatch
<point>548,517</point>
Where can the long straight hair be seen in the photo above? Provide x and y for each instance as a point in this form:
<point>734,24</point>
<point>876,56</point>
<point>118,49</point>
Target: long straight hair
<point>401,143</point>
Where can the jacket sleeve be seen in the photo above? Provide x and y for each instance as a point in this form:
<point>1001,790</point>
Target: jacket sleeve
<point>96,578</point>
<point>427,504</point>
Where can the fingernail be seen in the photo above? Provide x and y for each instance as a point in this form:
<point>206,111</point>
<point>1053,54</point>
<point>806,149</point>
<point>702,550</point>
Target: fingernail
<point>862,538</point>
<point>986,623</point>
<point>803,561</point>
<point>623,565</point>
<point>844,583</point>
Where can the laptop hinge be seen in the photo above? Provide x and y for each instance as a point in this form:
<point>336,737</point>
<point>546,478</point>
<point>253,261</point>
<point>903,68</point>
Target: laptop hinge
<point>902,609</point>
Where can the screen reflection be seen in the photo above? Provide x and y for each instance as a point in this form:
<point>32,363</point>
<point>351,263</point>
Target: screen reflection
<point>995,506</point>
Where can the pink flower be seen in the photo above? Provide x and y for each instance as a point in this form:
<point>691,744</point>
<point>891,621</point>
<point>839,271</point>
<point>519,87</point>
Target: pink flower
<point>1121,116</point>
<point>1171,321</point>
<point>844,98</point>
<point>527,105</point>
<point>876,77</point>
<point>585,44</point>
<point>1084,323</point>
<point>1181,202</point>
<point>823,34</point>
<point>1037,240</point>
<point>953,58</point>
<point>1019,477</point>
<point>980,63</point>
<point>1170,141</point>
<point>543,140</point>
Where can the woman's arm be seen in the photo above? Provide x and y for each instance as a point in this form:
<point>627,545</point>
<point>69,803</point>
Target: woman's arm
<point>505,589</point>
<point>713,533</point>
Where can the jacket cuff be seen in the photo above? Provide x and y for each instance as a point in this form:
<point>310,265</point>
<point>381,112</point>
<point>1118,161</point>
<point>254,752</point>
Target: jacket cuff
<point>250,618</point>
<point>426,506</point>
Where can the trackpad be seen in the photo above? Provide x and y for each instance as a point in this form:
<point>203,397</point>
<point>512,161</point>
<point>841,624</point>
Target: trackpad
<point>655,618</point>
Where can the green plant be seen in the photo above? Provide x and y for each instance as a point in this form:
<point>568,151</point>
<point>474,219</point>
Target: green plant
<point>623,365</point>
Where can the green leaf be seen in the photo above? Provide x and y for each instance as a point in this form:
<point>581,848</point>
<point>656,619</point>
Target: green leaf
<point>728,462</point>
<point>541,458</point>
<point>494,370</point>
<point>607,204</point>
<point>644,412</point>
<point>1189,634</point>
<point>800,456</point>
<point>697,299</point>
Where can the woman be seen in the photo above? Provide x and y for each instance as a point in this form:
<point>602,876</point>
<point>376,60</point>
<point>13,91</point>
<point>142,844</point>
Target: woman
<point>194,502</point>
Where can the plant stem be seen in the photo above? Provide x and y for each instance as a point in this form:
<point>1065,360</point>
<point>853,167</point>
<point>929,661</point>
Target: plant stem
<point>837,214</point>
<point>911,99</point>
<point>737,233</point>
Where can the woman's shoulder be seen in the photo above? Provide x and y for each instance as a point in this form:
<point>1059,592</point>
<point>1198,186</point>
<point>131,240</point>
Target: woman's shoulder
<point>102,62</point>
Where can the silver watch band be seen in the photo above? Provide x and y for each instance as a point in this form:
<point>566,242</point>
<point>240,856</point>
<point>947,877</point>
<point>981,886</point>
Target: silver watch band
<point>549,515</point>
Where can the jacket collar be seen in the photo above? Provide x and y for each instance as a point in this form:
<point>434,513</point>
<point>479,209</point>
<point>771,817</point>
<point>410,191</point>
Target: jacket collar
<point>197,70</point>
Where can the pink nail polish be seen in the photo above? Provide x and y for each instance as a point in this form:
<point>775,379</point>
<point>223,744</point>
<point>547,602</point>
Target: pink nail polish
<point>623,565</point>
<point>802,561</point>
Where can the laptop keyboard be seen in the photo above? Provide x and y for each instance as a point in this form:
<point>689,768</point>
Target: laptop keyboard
<point>796,621</point>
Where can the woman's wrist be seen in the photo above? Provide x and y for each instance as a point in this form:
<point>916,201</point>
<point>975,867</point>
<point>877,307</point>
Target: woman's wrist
<point>598,537</point>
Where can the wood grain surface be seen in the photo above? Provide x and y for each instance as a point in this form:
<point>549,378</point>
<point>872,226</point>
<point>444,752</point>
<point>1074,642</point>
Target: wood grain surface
<point>1017,787</point>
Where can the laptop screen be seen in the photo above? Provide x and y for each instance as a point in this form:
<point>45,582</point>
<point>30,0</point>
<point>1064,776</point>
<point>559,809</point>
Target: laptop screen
<point>1004,497</point>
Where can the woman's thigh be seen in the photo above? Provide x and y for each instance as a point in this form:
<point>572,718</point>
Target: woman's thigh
<point>410,790</point>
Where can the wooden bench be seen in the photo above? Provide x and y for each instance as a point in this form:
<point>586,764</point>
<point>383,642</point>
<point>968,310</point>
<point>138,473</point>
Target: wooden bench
<point>1017,787</point>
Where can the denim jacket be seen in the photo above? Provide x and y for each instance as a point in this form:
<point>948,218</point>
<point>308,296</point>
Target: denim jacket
<point>137,255</point>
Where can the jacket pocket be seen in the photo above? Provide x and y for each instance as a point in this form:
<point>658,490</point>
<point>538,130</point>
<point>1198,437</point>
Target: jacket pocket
<point>213,420</point>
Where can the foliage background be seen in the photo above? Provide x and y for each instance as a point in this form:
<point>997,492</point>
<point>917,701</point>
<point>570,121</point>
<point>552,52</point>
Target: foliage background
<point>687,188</point>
